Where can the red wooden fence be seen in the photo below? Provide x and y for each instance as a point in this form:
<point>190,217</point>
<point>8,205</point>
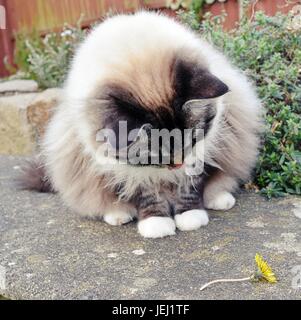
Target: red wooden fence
<point>45,15</point>
<point>233,9</point>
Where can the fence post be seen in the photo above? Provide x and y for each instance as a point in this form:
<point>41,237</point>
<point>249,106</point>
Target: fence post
<point>6,39</point>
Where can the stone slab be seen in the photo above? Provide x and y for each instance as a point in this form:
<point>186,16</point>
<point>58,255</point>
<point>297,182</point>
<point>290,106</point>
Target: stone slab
<point>49,252</point>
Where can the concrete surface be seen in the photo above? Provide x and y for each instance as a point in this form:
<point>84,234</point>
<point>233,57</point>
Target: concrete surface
<point>51,253</point>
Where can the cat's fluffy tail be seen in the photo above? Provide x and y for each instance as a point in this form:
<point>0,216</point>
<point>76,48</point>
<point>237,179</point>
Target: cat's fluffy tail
<point>33,177</point>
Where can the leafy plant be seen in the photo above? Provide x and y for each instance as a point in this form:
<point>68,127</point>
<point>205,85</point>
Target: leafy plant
<point>195,6</point>
<point>46,59</point>
<point>268,50</point>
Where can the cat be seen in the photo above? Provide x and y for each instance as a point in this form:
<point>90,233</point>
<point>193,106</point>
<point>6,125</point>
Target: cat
<point>140,69</point>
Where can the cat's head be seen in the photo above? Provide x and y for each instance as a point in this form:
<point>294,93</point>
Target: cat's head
<point>172,104</point>
<point>129,74</point>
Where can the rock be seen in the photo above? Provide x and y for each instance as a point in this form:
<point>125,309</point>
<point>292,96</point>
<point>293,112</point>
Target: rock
<point>18,86</point>
<point>40,109</point>
<point>16,135</point>
<point>23,118</point>
<point>49,252</point>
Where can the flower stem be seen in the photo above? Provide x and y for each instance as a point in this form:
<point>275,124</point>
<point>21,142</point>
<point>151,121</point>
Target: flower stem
<point>224,280</point>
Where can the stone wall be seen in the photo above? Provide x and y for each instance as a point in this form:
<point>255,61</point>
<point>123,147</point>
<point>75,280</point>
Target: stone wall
<point>24,113</point>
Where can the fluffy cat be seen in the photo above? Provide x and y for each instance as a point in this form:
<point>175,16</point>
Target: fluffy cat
<point>143,68</point>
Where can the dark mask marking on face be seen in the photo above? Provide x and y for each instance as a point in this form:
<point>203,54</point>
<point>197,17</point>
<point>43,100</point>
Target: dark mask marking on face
<point>189,81</point>
<point>194,82</point>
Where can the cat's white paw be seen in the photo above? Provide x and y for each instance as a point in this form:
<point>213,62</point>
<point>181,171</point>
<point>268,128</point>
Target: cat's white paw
<point>222,201</point>
<point>117,217</point>
<point>191,220</point>
<point>156,227</point>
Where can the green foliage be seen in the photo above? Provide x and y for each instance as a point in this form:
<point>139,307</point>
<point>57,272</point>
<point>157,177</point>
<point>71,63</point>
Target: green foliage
<point>190,18</point>
<point>268,50</point>
<point>197,6</point>
<point>47,59</point>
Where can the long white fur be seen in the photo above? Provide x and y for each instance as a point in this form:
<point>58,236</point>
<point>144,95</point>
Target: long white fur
<point>110,44</point>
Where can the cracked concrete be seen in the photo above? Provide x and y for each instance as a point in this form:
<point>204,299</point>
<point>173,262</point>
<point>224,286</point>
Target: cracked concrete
<point>49,252</point>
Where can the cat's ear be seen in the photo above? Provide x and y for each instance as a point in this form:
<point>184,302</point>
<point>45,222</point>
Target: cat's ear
<point>195,82</point>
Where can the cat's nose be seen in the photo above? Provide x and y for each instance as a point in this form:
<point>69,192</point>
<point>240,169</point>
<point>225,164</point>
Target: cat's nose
<point>178,157</point>
<point>174,166</point>
<point>176,160</point>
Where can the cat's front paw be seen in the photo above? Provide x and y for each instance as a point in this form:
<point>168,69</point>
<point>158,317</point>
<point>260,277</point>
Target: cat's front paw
<point>222,201</point>
<point>191,220</point>
<point>118,217</point>
<point>156,227</point>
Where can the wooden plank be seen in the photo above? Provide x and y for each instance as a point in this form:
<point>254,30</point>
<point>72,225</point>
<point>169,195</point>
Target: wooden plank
<point>51,15</point>
<point>43,15</point>
<point>6,44</point>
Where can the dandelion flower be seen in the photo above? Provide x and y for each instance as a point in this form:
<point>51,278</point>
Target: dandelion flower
<point>263,272</point>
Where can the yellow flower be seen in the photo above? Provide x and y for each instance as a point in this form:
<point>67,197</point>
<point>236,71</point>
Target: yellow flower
<point>264,270</point>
